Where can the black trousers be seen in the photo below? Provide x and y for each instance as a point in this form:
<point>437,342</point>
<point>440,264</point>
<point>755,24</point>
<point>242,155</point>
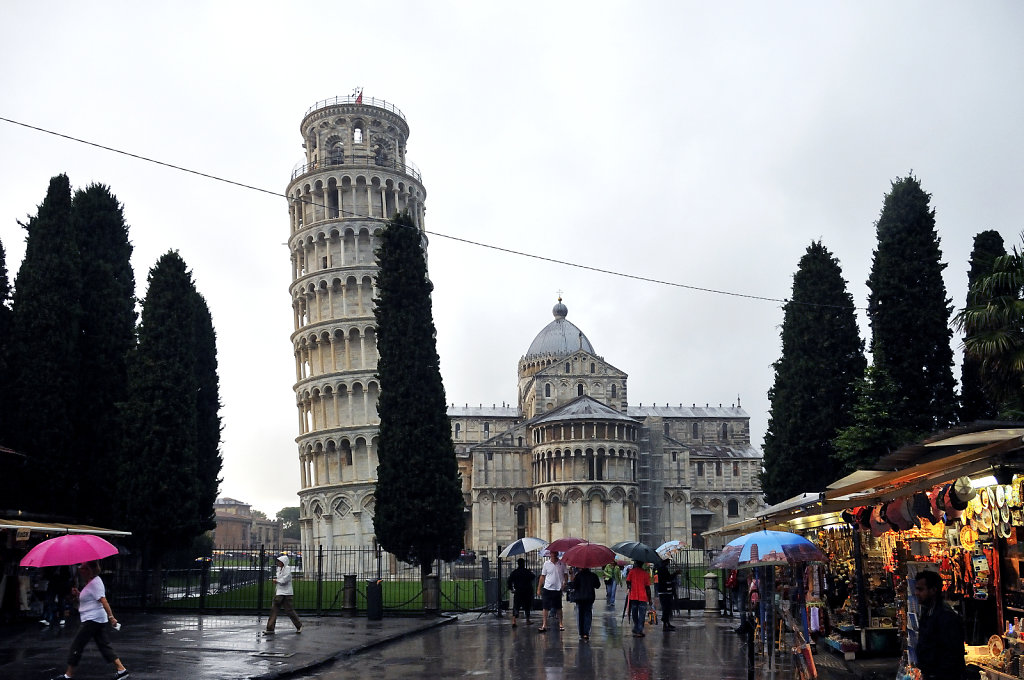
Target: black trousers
<point>667,602</point>
<point>91,630</point>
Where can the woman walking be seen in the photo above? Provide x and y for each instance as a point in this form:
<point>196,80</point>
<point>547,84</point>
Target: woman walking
<point>95,613</point>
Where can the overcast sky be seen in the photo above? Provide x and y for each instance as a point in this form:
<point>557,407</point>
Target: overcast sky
<point>702,144</point>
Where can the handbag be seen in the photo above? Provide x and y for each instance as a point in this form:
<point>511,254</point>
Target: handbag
<point>570,594</point>
<point>652,617</point>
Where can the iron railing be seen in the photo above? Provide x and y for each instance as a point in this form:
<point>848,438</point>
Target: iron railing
<point>358,160</point>
<point>355,99</point>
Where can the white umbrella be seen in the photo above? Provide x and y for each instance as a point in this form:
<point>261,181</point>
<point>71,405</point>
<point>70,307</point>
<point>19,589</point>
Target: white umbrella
<point>523,545</point>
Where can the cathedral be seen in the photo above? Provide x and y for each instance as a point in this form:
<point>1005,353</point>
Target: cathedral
<point>571,458</point>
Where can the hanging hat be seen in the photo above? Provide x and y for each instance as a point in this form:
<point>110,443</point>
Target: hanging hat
<point>962,493</point>
<point>878,525</point>
<point>921,506</point>
<point>952,511</point>
<point>933,500</point>
<point>863,515</point>
<point>897,514</point>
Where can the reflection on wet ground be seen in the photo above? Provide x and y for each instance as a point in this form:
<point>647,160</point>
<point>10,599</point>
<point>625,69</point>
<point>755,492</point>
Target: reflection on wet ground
<point>488,646</point>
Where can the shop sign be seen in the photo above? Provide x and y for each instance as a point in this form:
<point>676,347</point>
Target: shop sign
<point>23,534</point>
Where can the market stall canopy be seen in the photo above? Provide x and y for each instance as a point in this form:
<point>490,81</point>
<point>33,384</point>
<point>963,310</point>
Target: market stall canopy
<point>58,528</point>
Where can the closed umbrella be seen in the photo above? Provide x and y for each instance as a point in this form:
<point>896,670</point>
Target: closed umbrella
<point>589,555</point>
<point>635,550</point>
<point>68,549</point>
<point>522,546</point>
<point>767,548</point>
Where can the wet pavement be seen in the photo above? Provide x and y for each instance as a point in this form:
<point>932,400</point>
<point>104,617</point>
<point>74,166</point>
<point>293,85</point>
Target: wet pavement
<point>201,647</point>
<point>208,647</point>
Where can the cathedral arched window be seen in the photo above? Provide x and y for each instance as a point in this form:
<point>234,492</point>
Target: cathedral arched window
<point>725,430</point>
<point>357,133</point>
<point>579,390</point>
<point>592,368</point>
<point>547,389</point>
<point>734,508</point>
<point>458,430</point>
<point>567,368</point>
<point>487,430</point>
<point>613,391</point>
<point>718,468</point>
<point>666,429</point>
<point>337,154</point>
<point>696,431</point>
<point>553,511</point>
<point>520,521</point>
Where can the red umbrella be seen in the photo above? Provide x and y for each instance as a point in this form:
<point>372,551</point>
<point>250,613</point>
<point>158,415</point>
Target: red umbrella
<point>563,544</point>
<point>588,555</point>
<point>68,549</point>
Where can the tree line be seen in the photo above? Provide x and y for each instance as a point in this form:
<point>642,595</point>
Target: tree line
<point>831,412</point>
<point>108,416</point>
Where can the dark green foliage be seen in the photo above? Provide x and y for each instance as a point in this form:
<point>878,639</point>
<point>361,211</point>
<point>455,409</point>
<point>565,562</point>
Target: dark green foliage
<point>419,507</point>
<point>44,358</point>
<point>815,379</point>
<point>994,329</point>
<point>5,337</point>
<point>106,337</point>
<point>166,483</point>
<point>289,518</point>
<point>976,403</point>
<point>208,424</point>
<point>909,311</point>
<point>877,428</point>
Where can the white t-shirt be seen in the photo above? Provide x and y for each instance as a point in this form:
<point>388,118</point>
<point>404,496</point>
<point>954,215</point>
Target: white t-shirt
<point>89,607</point>
<point>554,574</point>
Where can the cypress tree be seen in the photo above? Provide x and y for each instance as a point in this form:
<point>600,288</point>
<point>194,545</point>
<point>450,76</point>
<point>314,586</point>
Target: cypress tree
<point>208,422</point>
<point>106,337</point>
<point>5,337</point>
<point>44,359</point>
<point>877,426</point>
<point>813,394</point>
<point>419,507</point>
<point>909,311</point>
<point>165,483</point>
<point>976,402</point>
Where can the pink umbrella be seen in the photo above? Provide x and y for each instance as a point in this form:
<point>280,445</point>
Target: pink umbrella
<point>68,549</point>
<point>588,555</point>
<point>563,544</point>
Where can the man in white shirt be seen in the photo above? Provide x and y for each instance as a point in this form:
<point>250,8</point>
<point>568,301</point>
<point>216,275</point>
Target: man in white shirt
<point>549,588</point>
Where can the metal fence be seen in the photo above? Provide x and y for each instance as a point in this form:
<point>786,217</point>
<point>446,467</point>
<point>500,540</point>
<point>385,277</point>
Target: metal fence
<point>335,581</point>
<point>325,580</point>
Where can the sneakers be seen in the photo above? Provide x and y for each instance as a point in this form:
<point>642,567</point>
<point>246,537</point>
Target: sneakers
<point>268,632</point>
<point>121,674</point>
<point>299,629</point>
<point>62,676</point>
<point>62,622</point>
<point>44,622</point>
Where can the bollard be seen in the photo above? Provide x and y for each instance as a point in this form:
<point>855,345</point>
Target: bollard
<point>348,597</point>
<point>711,592</point>
<point>431,595</point>
<point>374,601</point>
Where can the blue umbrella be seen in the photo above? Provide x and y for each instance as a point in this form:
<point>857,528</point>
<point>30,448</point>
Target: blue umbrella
<point>767,548</point>
<point>523,545</point>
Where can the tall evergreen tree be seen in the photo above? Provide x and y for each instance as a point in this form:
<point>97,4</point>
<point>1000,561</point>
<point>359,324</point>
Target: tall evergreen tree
<point>419,508</point>
<point>909,311</point>
<point>165,484</point>
<point>877,426</point>
<point>815,380</point>
<point>994,330</point>
<point>106,337</point>
<point>976,402</point>
<point>5,337</point>
<point>44,359</point>
<point>208,422</point>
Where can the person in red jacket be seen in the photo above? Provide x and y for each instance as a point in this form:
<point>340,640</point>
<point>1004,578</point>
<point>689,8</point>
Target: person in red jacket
<point>639,583</point>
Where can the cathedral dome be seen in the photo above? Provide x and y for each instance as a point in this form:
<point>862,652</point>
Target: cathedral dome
<point>560,337</point>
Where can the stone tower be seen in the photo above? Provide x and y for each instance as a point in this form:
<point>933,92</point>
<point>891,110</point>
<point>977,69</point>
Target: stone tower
<point>355,177</point>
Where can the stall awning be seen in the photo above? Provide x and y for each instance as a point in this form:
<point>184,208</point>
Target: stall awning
<point>59,528</point>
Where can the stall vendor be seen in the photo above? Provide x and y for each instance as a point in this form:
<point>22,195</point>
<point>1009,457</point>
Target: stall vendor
<point>940,639</point>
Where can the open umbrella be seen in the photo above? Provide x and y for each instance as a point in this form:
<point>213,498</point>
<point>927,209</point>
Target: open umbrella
<point>522,546</point>
<point>68,549</point>
<point>589,555</point>
<point>635,550</point>
<point>766,548</point>
<point>669,548</point>
<point>563,544</point>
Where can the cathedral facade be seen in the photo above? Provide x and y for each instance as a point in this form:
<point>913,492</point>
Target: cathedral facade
<point>571,458</point>
<point>574,458</point>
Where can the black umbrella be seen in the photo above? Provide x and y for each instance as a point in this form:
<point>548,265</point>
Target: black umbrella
<point>635,550</point>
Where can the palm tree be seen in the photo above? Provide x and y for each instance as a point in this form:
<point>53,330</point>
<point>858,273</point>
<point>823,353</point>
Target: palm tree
<point>993,325</point>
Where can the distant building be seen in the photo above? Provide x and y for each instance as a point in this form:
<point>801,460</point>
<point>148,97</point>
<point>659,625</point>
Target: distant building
<point>237,527</point>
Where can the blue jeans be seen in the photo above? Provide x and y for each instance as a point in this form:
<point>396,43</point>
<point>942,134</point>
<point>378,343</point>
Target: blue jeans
<point>611,586</point>
<point>638,614</point>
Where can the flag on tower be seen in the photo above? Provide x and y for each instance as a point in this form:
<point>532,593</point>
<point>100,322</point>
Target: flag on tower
<point>359,97</point>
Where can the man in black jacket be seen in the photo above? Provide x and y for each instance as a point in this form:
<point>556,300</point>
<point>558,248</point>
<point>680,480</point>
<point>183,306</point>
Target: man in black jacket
<point>520,582</point>
<point>940,637</point>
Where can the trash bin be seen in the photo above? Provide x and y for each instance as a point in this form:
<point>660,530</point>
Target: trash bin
<point>374,601</point>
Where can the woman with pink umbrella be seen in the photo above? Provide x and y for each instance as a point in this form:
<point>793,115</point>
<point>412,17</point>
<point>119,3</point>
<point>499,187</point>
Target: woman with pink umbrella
<point>95,613</point>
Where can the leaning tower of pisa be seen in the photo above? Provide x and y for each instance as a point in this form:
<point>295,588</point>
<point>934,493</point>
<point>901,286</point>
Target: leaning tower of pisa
<point>354,177</point>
